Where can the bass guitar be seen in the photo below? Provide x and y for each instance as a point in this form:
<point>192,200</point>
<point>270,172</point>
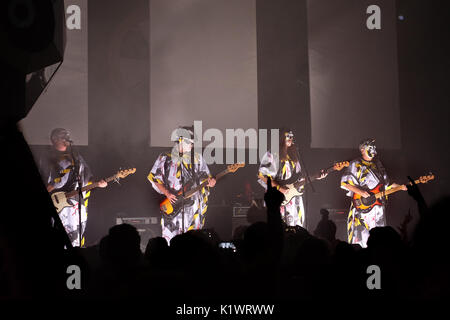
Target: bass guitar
<point>60,199</point>
<point>364,205</point>
<point>171,210</point>
<point>293,187</point>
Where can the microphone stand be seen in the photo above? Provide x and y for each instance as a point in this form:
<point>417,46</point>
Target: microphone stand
<point>180,152</point>
<point>80,193</point>
<point>308,180</point>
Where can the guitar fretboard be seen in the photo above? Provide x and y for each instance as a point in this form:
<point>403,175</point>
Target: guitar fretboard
<point>202,185</point>
<point>393,190</point>
<point>89,187</point>
<point>315,176</point>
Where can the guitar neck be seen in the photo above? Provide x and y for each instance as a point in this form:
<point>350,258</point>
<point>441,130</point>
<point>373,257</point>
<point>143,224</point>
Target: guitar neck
<point>316,176</point>
<point>88,187</point>
<point>393,190</point>
<point>202,185</point>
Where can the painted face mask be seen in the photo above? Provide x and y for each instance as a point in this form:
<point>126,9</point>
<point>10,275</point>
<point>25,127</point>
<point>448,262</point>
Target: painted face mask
<point>369,146</point>
<point>289,135</point>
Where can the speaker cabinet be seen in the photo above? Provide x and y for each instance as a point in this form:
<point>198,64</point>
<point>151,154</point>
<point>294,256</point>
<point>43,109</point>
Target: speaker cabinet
<point>148,227</point>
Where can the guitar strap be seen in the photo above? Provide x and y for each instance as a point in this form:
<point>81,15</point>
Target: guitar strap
<point>188,174</point>
<point>193,171</point>
<point>379,172</point>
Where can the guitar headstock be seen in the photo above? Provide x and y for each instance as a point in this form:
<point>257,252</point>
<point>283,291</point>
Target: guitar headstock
<point>338,166</point>
<point>124,173</point>
<point>425,179</point>
<point>234,167</point>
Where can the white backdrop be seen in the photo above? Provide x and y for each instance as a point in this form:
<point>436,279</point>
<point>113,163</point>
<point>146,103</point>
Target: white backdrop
<point>202,65</point>
<point>353,74</point>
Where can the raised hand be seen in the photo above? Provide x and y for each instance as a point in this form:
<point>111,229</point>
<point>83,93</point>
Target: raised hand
<point>414,192</point>
<point>403,228</point>
<point>273,197</point>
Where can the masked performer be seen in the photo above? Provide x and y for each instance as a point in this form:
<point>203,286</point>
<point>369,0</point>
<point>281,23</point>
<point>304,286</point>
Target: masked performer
<point>281,167</point>
<point>362,175</point>
<point>63,166</point>
<point>166,178</point>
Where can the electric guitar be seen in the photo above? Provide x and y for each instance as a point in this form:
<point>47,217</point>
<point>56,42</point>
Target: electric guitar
<point>364,205</point>
<point>60,199</point>
<point>171,210</point>
<point>293,186</point>
<point>293,183</point>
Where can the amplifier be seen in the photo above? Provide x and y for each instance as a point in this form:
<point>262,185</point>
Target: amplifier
<point>239,219</point>
<point>148,227</point>
<point>339,216</point>
<point>240,212</point>
<point>137,220</point>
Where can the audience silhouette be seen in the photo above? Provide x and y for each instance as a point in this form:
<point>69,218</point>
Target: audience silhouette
<point>268,260</point>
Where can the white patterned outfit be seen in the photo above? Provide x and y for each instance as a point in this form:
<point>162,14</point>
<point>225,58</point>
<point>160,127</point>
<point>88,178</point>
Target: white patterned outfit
<point>293,213</point>
<point>364,174</point>
<point>62,176</point>
<point>167,171</point>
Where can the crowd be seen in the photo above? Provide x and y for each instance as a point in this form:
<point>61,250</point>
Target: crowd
<point>272,261</point>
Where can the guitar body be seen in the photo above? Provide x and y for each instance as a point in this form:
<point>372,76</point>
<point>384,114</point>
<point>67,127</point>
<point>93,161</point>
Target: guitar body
<point>171,210</point>
<point>166,207</point>
<point>291,193</point>
<point>60,198</point>
<point>294,183</point>
<point>364,205</point>
<point>60,201</point>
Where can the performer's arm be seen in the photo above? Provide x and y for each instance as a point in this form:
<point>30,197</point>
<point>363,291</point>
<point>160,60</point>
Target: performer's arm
<point>273,183</point>
<point>166,192</point>
<point>156,177</point>
<point>269,168</point>
<point>53,181</point>
<point>204,171</point>
<point>356,190</point>
<point>395,185</point>
<point>350,182</point>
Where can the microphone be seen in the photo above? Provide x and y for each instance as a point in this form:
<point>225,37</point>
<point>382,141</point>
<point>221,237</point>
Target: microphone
<point>66,137</point>
<point>180,146</point>
<point>68,140</point>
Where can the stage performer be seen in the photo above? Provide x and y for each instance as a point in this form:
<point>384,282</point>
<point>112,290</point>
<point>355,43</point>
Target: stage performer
<point>281,167</point>
<point>166,178</point>
<point>60,170</point>
<point>362,175</point>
